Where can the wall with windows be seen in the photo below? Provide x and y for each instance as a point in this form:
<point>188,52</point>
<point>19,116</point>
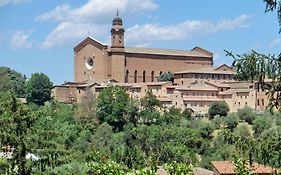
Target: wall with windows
<point>147,68</point>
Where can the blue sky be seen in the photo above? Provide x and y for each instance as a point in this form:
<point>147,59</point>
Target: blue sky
<point>39,36</point>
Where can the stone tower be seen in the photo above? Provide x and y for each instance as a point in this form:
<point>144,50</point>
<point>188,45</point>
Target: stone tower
<point>117,32</point>
<point>117,50</point>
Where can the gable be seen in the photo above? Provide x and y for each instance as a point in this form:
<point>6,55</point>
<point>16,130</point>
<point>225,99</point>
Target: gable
<point>91,41</point>
<point>223,67</point>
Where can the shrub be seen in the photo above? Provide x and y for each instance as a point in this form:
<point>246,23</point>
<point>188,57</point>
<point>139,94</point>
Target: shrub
<point>218,108</point>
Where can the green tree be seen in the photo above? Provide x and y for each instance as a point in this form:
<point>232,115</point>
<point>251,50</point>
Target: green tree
<point>150,102</point>
<point>12,80</point>
<point>38,89</point>
<point>231,121</point>
<point>87,109</point>
<point>218,108</point>
<point>243,130</point>
<point>18,122</point>
<point>246,114</point>
<point>261,124</point>
<point>113,107</point>
<point>166,76</point>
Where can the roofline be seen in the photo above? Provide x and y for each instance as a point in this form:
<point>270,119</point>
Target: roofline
<point>204,50</point>
<point>89,40</point>
<point>223,65</point>
<point>176,55</point>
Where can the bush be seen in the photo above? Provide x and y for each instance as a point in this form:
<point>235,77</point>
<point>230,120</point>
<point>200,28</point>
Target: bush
<point>218,108</point>
<point>261,124</point>
<point>231,121</point>
<point>246,114</point>
<point>217,121</point>
<point>243,130</point>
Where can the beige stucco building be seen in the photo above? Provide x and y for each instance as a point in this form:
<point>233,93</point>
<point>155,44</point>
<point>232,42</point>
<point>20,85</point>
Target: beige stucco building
<point>197,83</point>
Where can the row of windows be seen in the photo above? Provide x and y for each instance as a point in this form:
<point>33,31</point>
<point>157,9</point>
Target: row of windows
<point>206,76</point>
<point>200,94</point>
<point>143,76</point>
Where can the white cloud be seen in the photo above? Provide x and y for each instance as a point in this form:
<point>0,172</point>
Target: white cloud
<point>275,42</point>
<point>185,30</point>
<point>67,32</point>
<point>93,17</point>
<point>97,10</point>
<point>20,40</point>
<point>6,2</point>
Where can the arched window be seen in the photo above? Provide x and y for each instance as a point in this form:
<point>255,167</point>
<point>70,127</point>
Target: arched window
<point>136,76</point>
<point>127,76</point>
<point>143,76</point>
<point>152,76</point>
<point>160,73</point>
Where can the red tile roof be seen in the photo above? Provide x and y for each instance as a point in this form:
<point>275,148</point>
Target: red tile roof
<point>227,167</point>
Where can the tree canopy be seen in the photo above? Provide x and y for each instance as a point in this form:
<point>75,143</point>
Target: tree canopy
<point>12,80</point>
<point>218,108</point>
<point>166,76</point>
<point>113,106</point>
<point>38,89</point>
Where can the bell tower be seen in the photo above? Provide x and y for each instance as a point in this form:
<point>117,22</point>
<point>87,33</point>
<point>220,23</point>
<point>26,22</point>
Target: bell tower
<point>117,32</point>
<point>117,50</point>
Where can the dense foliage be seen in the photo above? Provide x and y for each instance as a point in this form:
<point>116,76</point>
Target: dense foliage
<point>12,80</point>
<point>56,139</point>
<point>166,76</point>
<point>218,108</point>
<point>38,89</point>
<point>116,135</point>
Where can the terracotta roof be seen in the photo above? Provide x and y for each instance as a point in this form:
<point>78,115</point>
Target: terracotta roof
<point>240,85</point>
<point>164,99</point>
<point>210,70</point>
<point>156,51</point>
<point>233,91</point>
<point>227,167</point>
<point>201,99</point>
<point>197,86</point>
<point>217,84</point>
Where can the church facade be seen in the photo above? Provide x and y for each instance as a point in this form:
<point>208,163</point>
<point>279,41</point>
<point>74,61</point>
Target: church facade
<point>94,60</point>
<point>197,83</point>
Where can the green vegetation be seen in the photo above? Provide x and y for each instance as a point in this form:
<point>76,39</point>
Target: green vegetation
<point>12,80</point>
<point>218,108</point>
<point>38,89</point>
<point>166,76</point>
<point>116,135</point>
<point>67,139</point>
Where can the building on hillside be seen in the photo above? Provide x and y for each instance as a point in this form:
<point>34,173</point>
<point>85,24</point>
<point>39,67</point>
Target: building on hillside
<point>197,83</point>
<point>96,61</point>
<point>228,168</point>
<point>220,74</point>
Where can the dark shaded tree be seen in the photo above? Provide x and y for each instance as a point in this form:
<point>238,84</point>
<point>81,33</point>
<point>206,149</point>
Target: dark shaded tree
<point>12,80</point>
<point>150,102</point>
<point>113,107</point>
<point>218,108</point>
<point>38,89</point>
<point>166,76</point>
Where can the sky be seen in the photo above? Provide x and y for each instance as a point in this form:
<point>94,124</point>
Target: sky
<point>39,36</point>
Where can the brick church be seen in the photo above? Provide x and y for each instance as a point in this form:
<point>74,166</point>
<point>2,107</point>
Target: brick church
<point>94,60</point>
<point>197,83</point>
